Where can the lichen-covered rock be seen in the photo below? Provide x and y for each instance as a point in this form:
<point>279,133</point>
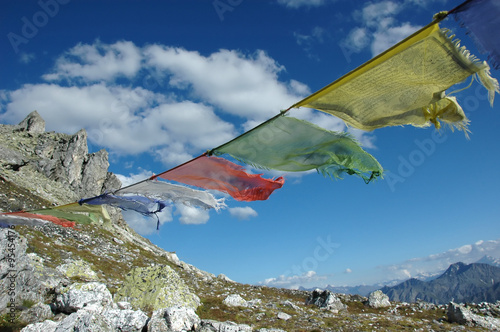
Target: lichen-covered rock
<point>235,300</point>
<point>378,299</point>
<point>215,326</point>
<point>79,295</point>
<point>77,269</point>
<point>156,287</point>
<point>125,320</point>
<point>326,300</point>
<point>173,319</point>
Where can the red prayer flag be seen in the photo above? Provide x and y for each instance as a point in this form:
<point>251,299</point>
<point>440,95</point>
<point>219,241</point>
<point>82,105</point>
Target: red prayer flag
<point>55,220</point>
<point>222,175</point>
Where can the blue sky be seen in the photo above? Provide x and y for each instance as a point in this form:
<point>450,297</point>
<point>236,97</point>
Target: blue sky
<point>159,82</point>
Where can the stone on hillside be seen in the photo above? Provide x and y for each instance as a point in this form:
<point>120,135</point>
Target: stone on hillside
<point>36,313</point>
<point>378,299</point>
<point>223,277</point>
<point>125,320</point>
<point>79,295</point>
<point>79,269</point>
<point>215,326</point>
<point>156,287</point>
<point>283,316</point>
<point>33,123</point>
<point>458,313</point>
<point>173,319</point>
<point>325,300</point>
<point>270,330</point>
<point>46,326</point>
<point>86,319</point>
<point>235,300</point>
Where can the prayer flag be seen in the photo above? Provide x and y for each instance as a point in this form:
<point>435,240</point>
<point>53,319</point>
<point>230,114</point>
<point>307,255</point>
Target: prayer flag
<point>405,84</point>
<point>289,144</point>
<point>178,194</point>
<point>482,19</point>
<point>220,174</point>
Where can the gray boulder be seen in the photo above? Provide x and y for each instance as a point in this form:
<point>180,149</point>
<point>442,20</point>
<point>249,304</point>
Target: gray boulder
<point>235,300</point>
<point>458,313</point>
<point>156,287</point>
<point>46,326</point>
<point>126,320</point>
<point>215,326</point>
<point>283,316</point>
<point>326,300</point>
<point>173,319</point>
<point>36,313</point>
<point>378,299</point>
<point>87,319</point>
<point>79,295</point>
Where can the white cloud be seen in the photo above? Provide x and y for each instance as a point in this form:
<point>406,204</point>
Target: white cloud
<point>134,178</point>
<point>301,3</point>
<point>247,86</point>
<point>348,270</point>
<point>192,215</point>
<point>384,39</point>
<point>379,28</point>
<point>243,213</point>
<point>97,62</point>
<point>295,281</point>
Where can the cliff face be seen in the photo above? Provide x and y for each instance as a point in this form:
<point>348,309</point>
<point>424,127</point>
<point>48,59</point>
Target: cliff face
<point>105,277</point>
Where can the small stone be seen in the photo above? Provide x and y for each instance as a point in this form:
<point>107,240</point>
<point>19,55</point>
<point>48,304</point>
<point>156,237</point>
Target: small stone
<point>235,300</point>
<point>284,316</point>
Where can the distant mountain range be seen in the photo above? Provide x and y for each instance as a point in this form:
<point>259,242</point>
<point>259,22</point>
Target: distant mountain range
<point>400,289</point>
<point>476,282</point>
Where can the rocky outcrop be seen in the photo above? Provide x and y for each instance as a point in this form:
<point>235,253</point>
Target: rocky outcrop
<point>173,319</point>
<point>458,313</point>
<point>235,300</point>
<point>325,300</point>
<point>71,172</point>
<point>156,287</point>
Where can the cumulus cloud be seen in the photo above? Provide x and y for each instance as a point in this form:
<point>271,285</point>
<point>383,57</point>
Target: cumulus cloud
<point>242,85</point>
<point>379,28</point>
<point>97,62</point>
<point>295,281</point>
<point>243,213</point>
<point>348,270</point>
<point>192,215</point>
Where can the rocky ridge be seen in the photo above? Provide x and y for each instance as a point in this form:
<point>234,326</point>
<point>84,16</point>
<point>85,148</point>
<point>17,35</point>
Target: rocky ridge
<point>105,277</point>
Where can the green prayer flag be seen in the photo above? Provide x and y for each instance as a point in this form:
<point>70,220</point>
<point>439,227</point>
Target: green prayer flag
<point>293,145</point>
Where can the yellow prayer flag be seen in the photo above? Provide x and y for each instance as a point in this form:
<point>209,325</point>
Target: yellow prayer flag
<point>404,85</point>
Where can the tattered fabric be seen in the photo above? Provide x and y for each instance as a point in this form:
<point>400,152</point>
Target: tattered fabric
<point>82,214</point>
<point>290,144</point>
<point>404,85</point>
<point>482,19</point>
<point>171,192</point>
<point>220,174</point>
<point>136,203</point>
<point>58,221</point>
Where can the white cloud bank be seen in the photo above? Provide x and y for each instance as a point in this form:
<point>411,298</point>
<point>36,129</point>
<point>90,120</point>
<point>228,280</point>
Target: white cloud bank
<point>294,281</point>
<point>243,213</point>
